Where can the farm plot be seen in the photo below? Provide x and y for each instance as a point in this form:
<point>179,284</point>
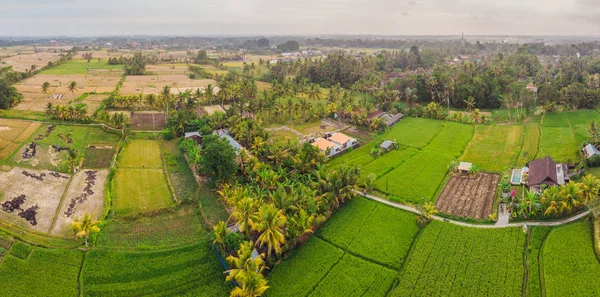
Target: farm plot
<point>570,265</point>
<point>140,182</point>
<point>461,261</point>
<point>23,63</point>
<point>304,269</point>
<point>40,272</point>
<point>452,139</point>
<point>347,222</point>
<point>360,156</point>
<point>558,143</point>
<point>93,102</point>
<point>30,198</point>
<point>580,123</point>
<point>419,177</point>
<point>84,195</point>
<point>83,67</point>
<point>469,197</point>
<point>388,162</point>
<point>153,84</point>
<point>534,249</point>
<point>530,144</point>
<point>555,119</point>
<point>13,133</point>
<point>192,270</point>
<point>494,148</point>
<point>414,132</point>
<point>148,121</point>
<point>353,276</point>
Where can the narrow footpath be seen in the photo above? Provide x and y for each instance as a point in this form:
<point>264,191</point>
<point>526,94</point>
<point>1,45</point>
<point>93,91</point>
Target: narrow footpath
<point>499,224</point>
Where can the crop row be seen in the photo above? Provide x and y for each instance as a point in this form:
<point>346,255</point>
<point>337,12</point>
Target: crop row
<point>388,162</point>
<point>452,139</point>
<point>534,248</point>
<point>414,132</point>
<point>459,261</point>
<point>494,148</point>
<point>347,221</point>
<point>115,273</point>
<point>570,265</point>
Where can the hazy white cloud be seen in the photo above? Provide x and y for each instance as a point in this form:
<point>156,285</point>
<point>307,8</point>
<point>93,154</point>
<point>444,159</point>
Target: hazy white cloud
<point>280,17</point>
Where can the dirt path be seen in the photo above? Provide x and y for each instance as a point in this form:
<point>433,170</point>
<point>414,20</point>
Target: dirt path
<point>481,226</point>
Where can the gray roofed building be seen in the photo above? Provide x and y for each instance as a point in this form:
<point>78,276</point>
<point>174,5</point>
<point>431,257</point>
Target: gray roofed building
<point>390,119</point>
<point>387,145</point>
<point>590,150</point>
<point>225,134</point>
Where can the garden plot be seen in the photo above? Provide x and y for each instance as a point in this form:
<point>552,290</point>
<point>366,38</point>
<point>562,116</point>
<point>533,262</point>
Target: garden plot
<point>30,197</point>
<point>153,84</point>
<point>469,196</point>
<point>417,179</point>
<point>494,148</point>
<point>84,195</point>
<point>148,121</point>
<point>23,63</point>
<point>13,133</point>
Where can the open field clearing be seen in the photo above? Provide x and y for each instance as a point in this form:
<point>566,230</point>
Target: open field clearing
<point>13,133</point>
<point>193,270</point>
<point>153,84</point>
<point>168,230</point>
<point>23,63</point>
<point>303,269</point>
<point>93,102</point>
<point>469,197</point>
<point>83,67</point>
<point>570,266</point>
<point>140,182</point>
<point>530,144</point>
<point>30,198</point>
<point>166,69</point>
<point>558,143</point>
<point>494,148</point>
<point>281,135</point>
<point>353,276</point>
<point>84,195</point>
<point>316,128</point>
<point>148,121</point>
<point>452,139</point>
<point>461,261</point>
<point>417,179</point>
<point>42,272</point>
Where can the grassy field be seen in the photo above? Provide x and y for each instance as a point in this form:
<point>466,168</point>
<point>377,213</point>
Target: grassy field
<point>140,182</point>
<point>34,271</point>
<point>452,139</point>
<point>494,148</point>
<point>534,249</point>
<point>570,266</point>
<point>81,67</point>
<point>558,143</point>
<point>580,122</point>
<point>460,261</point>
<point>555,119</point>
<point>530,144</point>
<point>388,162</point>
<point>193,270</point>
<point>414,132</point>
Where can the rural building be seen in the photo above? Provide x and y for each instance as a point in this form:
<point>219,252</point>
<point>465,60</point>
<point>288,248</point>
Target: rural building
<point>590,150</point>
<point>464,167</point>
<point>197,137</point>
<point>546,171</point>
<point>343,140</point>
<point>387,145</point>
<point>223,133</point>
<point>388,119</point>
<point>327,147</point>
<point>374,115</point>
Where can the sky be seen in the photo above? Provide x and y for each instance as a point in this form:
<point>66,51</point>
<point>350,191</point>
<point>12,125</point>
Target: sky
<point>298,17</point>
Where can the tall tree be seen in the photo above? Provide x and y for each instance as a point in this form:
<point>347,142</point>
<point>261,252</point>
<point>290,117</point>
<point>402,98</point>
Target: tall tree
<point>85,227</point>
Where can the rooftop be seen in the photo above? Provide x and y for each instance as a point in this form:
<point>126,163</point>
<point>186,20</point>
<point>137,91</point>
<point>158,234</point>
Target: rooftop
<point>323,144</point>
<point>340,138</point>
<point>465,166</point>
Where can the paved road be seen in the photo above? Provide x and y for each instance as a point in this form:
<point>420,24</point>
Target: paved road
<point>499,224</point>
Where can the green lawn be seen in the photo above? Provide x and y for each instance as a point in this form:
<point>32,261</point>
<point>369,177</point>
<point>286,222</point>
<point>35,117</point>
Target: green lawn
<point>461,261</point>
<point>141,154</point>
<point>417,179</point>
<point>80,67</point>
<point>494,148</point>
<point>570,266</point>
<point>140,190</point>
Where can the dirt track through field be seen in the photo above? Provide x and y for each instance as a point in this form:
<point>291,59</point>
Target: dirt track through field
<point>467,196</point>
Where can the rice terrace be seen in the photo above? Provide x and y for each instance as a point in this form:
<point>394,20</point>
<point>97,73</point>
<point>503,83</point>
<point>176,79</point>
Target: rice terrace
<point>281,165</point>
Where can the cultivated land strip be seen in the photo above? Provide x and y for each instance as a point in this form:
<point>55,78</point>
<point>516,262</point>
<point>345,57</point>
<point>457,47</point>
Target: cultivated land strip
<point>495,226</point>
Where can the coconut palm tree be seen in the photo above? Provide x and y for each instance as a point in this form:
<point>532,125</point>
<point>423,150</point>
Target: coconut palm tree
<point>72,87</point>
<point>166,96</point>
<point>86,227</point>
<point>589,187</point>
<point>45,87</point>
<point>315,92</point>
<point>221,233</point>
<point>470,102</point>
<point>571,194</point>
<point>247,272</point>
<point>269,221</point>
<point>243,213</point>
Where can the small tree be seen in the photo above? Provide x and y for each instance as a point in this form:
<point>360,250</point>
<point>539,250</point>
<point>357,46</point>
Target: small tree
<point>45,87</point>
<point>85,227</point>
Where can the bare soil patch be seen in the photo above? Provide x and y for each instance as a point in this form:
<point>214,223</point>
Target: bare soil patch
<point>23,63</point>
<point>468,196</point>
<point>84,195</point>
<point>153,84</point>
<point>13,133</point>
<point>30,197</point>
<point>148,121</point>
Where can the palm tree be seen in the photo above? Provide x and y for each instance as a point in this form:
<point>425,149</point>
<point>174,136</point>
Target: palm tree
<point>221,233</point>
<point>570,194</point>
<point>45,87</point>
<point>73,88</point>
<point>470,102</point>
<point>410,96</point>
<point>247,272</point>
<point>84,228</point>
<point>209,93</point>
<point>242,214</point>
<point>166,95</point>
<point>49,109</point>
<point>589,187</point>
<point>269,222</point>
<point>315,92</point>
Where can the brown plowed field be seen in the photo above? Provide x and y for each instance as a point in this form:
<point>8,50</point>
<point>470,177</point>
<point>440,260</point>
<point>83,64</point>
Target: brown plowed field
<point>467,196</point>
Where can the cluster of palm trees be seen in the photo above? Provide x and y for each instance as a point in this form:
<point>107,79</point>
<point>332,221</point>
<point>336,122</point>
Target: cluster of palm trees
<point>558,200</point>
<point>77,112</point>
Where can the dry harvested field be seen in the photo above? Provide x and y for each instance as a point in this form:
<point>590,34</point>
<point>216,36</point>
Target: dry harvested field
<point>24,62</point>
<point>93,102</point>
<point>213,108</point>
<point>467,196</point>
<point>13,133</point>
<point>153,84</point>
<point>166,69</point>
<point>34,99</point>
<point>84,195</point>
<point>148,121</point>
<point>30,197</point>
<point>105,54</point>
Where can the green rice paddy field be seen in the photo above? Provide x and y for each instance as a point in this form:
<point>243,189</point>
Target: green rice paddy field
<point>416,170</point>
